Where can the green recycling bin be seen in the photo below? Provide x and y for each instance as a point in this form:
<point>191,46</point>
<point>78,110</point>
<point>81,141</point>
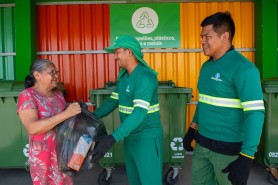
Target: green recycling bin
<point>270,132</point>
<point>13,136</point>
<point>172,101</point>
<point>14,141</point>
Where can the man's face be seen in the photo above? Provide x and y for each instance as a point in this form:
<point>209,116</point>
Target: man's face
<point>212,43</point>
<point>121,57</point>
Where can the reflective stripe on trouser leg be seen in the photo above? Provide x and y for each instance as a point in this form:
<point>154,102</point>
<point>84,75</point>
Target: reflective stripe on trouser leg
<point>144,160</point>
<point>207,167</point>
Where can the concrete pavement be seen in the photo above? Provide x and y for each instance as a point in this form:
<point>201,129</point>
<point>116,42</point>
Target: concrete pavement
<point>258,175</point>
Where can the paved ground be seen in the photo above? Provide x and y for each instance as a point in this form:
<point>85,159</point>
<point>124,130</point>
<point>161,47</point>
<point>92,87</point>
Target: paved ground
<point>258,176</point>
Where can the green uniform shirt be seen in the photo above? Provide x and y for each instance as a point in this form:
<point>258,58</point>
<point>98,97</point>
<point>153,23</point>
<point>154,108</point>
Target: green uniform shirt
<point>230,104</point>
<point>136,95</point>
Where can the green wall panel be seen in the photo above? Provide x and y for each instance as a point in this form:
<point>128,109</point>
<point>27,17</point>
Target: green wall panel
<point>266,40</point>
<point>25,22</point>
<point>7,43</point>
<point>6,1</point>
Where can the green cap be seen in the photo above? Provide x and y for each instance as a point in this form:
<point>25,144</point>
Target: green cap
<point>129,42</point>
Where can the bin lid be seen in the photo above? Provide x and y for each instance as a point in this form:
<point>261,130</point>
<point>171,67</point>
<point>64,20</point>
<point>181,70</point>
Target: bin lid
<point>161,84</point>
<point>101,91</point>
<point>164,87</point>
<point>166,84</point>
<point>270,85</point>
<point>177,90</point>
<point>10,87</point>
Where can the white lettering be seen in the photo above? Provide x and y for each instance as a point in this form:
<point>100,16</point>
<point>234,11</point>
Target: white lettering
<point>273,154</point>
<point>216,79</point>
<point>178,156</point>
<point>108,154</point>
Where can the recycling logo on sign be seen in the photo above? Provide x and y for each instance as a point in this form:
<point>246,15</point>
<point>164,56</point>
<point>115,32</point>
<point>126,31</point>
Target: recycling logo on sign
<point>144,20</point>
<point>176,144</point>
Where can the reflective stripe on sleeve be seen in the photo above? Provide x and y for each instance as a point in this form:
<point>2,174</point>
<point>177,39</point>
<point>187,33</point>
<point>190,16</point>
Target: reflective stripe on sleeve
<point>221,102</point>
<point>253,105</point>
<point>141,103</point>
<point>114,96</point>
<point>128,110</point>
<point>154,108</point>
<point>232,103</point>
<point>125,110</point>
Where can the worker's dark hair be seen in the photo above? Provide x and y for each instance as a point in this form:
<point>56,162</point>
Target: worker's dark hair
<point>221,22</point>
<point>37,65</point>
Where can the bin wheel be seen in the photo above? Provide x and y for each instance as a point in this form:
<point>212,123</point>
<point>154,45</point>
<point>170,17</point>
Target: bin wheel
<point>169,177</point>
<point>103,179</point>
<point>272,179</point>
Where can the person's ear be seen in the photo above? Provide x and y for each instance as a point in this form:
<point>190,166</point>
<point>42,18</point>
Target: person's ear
<point>225,37</point>
<point>37,75</point>
<point>129,52</point>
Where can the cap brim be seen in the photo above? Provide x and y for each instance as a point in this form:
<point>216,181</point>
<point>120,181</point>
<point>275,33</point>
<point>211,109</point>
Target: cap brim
<point>111,49</point>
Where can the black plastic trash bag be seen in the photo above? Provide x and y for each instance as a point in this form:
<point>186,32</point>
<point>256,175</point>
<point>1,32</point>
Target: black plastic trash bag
<point>70,131</point>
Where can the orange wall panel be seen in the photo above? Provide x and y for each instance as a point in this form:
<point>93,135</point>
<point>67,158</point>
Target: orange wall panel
<point>65,28</point>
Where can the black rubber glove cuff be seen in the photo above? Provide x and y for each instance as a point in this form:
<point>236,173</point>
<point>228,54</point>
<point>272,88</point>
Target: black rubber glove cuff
<point>239,170</point>
<point>188,138</point>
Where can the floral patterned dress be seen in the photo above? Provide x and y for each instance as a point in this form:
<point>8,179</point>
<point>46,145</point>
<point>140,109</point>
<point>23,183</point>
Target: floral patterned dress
<point>42,155</point>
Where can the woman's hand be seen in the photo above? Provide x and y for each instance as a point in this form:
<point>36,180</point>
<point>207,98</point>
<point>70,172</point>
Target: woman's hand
<point>73,109</point>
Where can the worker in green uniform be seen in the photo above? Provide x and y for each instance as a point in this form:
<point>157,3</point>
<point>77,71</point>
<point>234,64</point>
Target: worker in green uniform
<point>136,96</point>
<point>230,111</point>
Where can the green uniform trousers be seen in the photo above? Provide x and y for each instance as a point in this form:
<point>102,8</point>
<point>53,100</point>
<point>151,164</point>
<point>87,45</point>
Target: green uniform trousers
<point>207,167</point>
<point>144,160</point>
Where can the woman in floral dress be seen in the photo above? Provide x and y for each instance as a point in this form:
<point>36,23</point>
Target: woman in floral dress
<point>41,107</point>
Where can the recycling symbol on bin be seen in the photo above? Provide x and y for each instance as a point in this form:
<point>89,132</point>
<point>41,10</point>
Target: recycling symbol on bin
<point>176,144</point>
<point>25,150</point>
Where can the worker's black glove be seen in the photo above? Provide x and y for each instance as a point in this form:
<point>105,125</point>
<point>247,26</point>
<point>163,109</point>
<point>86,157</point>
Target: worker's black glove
<point>239,170</point>
<point>188,138</point>
<point>103,144</point>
